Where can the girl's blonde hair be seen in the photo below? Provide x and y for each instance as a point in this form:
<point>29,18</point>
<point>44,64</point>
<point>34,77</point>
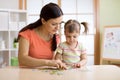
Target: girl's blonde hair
<point>72,25</point>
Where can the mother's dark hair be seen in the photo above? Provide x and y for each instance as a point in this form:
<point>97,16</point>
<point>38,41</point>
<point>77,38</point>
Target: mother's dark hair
<point>49,11</point>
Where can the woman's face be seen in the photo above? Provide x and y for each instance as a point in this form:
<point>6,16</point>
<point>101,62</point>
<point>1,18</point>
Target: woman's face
<point>52,25</point>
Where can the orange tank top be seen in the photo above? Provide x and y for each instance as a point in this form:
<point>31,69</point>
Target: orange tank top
<point>39,48</point>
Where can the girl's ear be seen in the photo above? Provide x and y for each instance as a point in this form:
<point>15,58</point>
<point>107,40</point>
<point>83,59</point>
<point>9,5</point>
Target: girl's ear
<point>64,32</point>
<point>43,21</point>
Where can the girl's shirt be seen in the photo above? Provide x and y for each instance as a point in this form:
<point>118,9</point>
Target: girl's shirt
<point>38,48</point>
<point>70,55</point>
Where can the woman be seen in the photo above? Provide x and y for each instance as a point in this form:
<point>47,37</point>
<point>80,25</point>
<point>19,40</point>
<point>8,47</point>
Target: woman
<point>38,40</point>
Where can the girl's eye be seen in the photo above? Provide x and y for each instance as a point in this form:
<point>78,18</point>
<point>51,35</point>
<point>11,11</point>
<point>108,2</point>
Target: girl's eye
<point>68,36</point>
<point>74,36</point>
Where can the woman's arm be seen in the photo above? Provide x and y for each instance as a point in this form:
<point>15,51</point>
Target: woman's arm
<point>26,60</point>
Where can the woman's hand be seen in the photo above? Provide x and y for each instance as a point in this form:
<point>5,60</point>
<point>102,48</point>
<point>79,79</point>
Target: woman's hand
<point>59,64</point>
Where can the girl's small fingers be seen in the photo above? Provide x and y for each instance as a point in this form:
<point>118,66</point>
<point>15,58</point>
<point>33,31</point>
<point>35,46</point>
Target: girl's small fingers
<point>78,65</point>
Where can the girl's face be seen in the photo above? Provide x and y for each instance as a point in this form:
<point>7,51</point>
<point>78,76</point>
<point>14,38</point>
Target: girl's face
<point>71,38</point>
<point>51,26</point>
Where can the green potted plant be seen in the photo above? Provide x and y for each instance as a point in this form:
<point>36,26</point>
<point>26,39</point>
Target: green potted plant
<point>15,43</point>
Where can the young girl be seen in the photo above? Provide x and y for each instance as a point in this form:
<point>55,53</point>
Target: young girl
<point>72,52</point>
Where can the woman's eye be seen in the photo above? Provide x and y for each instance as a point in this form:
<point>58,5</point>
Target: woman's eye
<point>54,24</point>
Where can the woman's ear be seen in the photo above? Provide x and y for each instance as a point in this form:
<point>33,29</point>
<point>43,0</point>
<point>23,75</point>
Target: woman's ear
<point>43,21</point>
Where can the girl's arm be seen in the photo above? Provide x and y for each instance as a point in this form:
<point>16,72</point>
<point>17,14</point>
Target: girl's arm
<point>58,56</point>
<point>83,60</point>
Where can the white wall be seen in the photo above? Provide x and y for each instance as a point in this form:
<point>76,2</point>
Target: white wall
<point>9,4</point>
<point>109,12</point>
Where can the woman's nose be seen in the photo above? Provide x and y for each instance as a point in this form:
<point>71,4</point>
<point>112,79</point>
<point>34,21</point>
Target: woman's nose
<point>58,27</point>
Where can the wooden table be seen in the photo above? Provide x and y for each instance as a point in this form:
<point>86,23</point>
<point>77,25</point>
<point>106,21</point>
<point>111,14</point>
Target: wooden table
<point>95,72</point>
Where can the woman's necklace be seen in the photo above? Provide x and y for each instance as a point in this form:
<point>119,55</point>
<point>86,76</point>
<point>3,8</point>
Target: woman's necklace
<point>43,36</point>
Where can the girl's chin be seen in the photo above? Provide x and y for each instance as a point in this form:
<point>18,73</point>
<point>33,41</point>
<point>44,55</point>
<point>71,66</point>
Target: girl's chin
<point>70,43</point>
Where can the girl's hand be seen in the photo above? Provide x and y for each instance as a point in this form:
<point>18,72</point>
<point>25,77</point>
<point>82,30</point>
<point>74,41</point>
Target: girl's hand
<point>76,65</point>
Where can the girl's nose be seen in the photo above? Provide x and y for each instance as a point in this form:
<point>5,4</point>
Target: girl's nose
<point>71,38</point>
